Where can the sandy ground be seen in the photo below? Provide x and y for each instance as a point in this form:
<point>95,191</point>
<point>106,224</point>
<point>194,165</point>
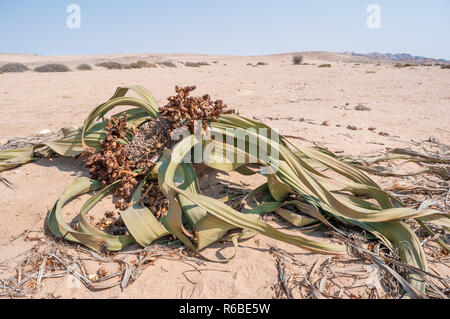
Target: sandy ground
<point>407,104</point>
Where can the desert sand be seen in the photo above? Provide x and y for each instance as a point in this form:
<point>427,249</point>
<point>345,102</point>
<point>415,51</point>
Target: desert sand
<point>406,104</point>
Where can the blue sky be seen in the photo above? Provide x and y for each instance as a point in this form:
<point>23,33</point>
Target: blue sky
<point>245,27</point>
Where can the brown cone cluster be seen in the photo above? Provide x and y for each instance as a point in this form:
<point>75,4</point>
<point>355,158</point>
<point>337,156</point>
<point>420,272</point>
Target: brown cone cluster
<point>156,202</point>
<point>110,223</point>
<point>111,162</point>
<point>117,161</point>
<point>183,110</point>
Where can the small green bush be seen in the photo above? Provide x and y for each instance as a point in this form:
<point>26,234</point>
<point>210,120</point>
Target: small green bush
<point>297,59</point>
<point>167,63</point>
<point>84,67</point>
<point>52,67</point>
<point>145,64</point>
<point>192,64</point>
<point>111,65</point>
<point>13,67</point>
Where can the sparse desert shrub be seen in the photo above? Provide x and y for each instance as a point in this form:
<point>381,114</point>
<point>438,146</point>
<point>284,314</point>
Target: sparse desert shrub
<point>134,65</point>
<point>145,64</point>
<point>142,63</point>
<point>52,67</point>
<point>192,64</point>
<point>445,66</point>
<point>202,63</point>
<point>297,59</point>
<point>262,63</point>
<point>167,63</point>
<point>400,65</point>
<point>111,65</point>
<point>120,66</point>
<point>361,107</point>
<point>325,65</point>
<point>249,63</point>
<point>84,67</point>
<point>13,67</point>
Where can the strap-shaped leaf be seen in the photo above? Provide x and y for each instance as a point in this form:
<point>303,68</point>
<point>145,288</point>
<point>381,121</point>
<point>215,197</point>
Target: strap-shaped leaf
<point>87,235</point>
<point>140,221</point>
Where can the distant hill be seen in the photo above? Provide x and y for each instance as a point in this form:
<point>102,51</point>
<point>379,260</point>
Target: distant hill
<point>400,57</point>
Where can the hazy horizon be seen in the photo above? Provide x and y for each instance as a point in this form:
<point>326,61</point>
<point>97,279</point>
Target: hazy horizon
<point>209,54</point>
<point>241,28</point>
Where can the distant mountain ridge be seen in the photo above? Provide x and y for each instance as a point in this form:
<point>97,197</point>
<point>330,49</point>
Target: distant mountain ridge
<point>399,57</point>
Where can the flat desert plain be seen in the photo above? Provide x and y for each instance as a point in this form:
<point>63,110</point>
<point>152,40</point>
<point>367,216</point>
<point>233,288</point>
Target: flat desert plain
<point>312,105</point>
